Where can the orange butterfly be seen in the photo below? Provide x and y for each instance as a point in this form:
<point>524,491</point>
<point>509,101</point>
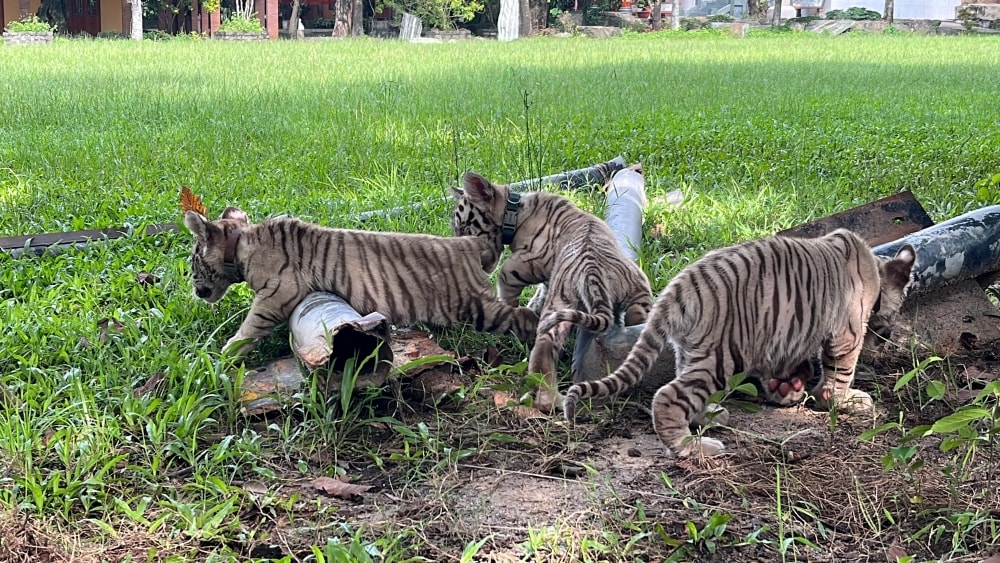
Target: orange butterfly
<point>191,202</point>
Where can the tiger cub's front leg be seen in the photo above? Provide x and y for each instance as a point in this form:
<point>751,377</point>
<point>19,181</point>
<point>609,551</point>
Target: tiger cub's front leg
<point>514,276</point>
<point>840,357</point>
<point>265,313</point>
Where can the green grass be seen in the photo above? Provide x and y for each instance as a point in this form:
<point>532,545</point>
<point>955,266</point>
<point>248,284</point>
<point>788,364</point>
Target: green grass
<point>760,133</point>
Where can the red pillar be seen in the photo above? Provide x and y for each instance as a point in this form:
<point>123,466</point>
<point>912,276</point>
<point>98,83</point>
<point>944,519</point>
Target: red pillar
<point>272,18</point>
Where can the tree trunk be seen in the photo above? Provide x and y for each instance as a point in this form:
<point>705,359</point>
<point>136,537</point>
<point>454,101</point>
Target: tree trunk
<point>524,18</point>
<point>675,15</point>
<point>24,7</point>
<point>508,20</point>
<point>655,17</point>
<point>357,29</point>
<point>776,16</point>
<point>293,19</point>
<point>136,22</point>
<point>344,18</point>
<point>410,28</point>
<point>890,7</point>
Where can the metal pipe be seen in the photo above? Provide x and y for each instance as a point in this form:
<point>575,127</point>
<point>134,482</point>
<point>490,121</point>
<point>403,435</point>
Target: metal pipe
<point>961,248</point>
<point>597,174</point>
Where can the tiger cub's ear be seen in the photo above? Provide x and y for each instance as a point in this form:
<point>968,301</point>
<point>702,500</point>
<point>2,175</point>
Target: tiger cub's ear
<point>478,188</point>
<point>235,214</point>
<point>898,270</point>
<point>197,224</point>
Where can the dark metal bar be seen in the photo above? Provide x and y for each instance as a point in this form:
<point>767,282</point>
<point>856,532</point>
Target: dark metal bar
<point>597,174</point>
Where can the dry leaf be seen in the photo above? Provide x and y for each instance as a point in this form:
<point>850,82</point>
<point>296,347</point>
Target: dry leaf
<point>895,553</point>
<point>106,325</point>
<point>338,488</point>
<point>501,399</point>
<point>993,559</point>
<point>146,279</point>
<point>191,202</point>
<point>149,386</point>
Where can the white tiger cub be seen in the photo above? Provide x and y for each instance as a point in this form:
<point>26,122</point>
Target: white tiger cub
<point>762,307</point>
<point>406,277</point>
<point>588,280</point>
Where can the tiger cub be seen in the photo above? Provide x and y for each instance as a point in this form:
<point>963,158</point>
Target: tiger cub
<point>589,281</point>
<point>764,307</point>
<point>406,277</point>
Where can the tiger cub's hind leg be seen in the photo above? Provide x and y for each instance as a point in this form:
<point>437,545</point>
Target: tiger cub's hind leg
<point>679,403</point>
<point>544,359</point>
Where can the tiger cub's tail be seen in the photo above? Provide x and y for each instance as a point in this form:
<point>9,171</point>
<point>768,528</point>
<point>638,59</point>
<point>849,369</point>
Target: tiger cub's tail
<point>640,360</point>
<point>592,289</point>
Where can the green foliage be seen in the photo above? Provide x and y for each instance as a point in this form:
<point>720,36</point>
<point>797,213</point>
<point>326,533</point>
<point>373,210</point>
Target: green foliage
<point>236,22</point>
<point>721,18</point>
<point>439,14</point>
<point>853,13</point>
<point>29,23</point>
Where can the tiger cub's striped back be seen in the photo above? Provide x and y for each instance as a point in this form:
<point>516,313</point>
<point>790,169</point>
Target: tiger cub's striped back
<point>764,307</point>
<point>406,277</point>
<point>588,280</point>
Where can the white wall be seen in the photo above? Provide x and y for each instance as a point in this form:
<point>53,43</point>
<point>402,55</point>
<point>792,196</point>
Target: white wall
<point>905,9</point>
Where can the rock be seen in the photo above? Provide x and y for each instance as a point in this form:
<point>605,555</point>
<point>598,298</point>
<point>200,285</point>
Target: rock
<point>599,31</point>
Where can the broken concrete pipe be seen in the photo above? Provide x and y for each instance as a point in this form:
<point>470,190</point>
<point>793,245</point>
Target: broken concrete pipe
<point>327,332</point>
<point>594,354</point>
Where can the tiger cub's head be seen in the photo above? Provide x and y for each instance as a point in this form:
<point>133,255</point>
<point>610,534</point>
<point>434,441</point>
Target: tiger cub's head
<point>211,280</point>
<point>895,275</point>
<point>479,209</point>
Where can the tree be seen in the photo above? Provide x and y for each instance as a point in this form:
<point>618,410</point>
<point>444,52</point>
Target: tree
<point>136,22</point>
<point>24,7</point>
<point>348,18</point>
<point>508,20</point>
<point>890,7</point>
<point>776,16</point>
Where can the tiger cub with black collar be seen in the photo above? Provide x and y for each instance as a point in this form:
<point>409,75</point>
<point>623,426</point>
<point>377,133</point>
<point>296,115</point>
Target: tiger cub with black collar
<point>589,281</point>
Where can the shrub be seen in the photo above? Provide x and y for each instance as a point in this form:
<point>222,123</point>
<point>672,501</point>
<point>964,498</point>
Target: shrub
<point>29,23</point>
<point>853,13</point>
<point>439,14</point>
<point>239,23</point>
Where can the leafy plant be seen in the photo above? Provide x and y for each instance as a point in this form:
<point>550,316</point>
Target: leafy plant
<point>240,22</point>
<point>29,23</point>
<point>439,14</point>
<point>853,13</point>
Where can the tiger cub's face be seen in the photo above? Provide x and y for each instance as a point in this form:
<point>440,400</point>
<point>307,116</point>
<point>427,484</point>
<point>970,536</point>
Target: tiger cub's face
<point>894,281</point>
<point>207,256</point>
<point>476,211</point>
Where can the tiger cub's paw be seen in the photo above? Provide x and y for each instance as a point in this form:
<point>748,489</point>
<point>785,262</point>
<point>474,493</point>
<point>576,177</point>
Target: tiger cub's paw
<point>854,401</point>
<point>238,346</point>
<point>549,402</point>
<point>699,446</point>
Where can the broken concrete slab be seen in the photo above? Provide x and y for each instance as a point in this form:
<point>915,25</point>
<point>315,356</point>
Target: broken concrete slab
<point>832,27</point>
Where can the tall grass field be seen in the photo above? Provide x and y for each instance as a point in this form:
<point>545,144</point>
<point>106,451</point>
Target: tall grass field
<point>759,133</point>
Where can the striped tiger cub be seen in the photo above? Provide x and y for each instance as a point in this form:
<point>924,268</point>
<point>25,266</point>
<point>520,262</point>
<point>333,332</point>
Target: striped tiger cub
<point>764,307</point>
<point>589,281</point>
<point>406,277</point>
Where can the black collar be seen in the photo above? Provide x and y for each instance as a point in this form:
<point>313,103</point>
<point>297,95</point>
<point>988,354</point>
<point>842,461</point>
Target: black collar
<point>229,266</point>
<point>510,217</point>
